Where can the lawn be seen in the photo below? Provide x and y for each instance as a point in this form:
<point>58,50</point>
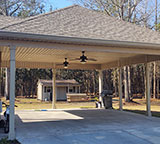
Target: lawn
<point>29,103</point>
<point>137,106</point>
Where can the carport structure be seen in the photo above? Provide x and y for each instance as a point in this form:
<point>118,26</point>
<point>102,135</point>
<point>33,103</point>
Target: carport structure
<point>44,41</point>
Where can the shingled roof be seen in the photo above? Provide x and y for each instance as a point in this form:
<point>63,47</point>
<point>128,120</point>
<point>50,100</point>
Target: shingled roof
<point>59,82</point>
<point>76,21</point>
<point>8,20</point>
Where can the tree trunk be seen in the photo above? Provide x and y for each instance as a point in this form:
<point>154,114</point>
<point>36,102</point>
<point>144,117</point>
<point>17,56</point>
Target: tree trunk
<point>129,10</point>
<point>158,88</point>
<point>144,80</point>
<point>127,99</point>
<point>129,83</point>
<point>156,17</point>
<point>114,82</point>
<point>7,71</point>
<point>154,81</point>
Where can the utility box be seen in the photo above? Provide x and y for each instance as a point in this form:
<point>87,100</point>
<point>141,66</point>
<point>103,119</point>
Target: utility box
<point>107,96</point>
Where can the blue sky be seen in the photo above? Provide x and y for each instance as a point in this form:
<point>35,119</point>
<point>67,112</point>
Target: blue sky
<point>59,3</point>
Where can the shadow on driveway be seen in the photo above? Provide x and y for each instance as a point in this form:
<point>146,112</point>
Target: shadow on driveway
<point>86,127</point>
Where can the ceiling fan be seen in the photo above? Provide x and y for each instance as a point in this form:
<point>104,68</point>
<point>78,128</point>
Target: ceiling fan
<point>65,63</point>
<point>83,59</point>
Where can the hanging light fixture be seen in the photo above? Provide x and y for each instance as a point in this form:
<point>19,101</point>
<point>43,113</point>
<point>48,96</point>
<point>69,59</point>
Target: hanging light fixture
<point>83,61</point>
<point>66,63</point>
<point>83,58</point>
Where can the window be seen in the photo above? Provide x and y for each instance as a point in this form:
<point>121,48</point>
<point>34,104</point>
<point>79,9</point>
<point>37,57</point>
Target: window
<point>70,90</point>
<point>74,89</point>
<point>45,89</point>
<point>77,89</point>
<point>48,90</point>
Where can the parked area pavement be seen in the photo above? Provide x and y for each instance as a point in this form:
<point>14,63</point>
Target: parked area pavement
<point>86,127</point>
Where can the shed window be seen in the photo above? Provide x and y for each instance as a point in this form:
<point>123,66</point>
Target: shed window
<point>74,89</point>
<point>45,89</point>
<point>70,90</point>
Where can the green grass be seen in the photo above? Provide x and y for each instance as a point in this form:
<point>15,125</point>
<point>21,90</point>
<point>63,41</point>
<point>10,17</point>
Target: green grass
<point>139,106</point>
<point>29,103</point>
<point>6,141</point>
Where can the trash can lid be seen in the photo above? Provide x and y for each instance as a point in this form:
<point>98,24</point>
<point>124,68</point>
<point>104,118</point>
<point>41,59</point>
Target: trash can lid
<point>106,92</point>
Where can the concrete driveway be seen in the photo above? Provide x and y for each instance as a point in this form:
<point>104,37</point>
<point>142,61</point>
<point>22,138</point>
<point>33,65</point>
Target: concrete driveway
<point>86,127</point>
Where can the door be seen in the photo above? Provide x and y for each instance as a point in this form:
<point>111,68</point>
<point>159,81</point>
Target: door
<point>61,93</point>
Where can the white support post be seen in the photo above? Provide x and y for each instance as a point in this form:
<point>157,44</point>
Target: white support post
<point>12,135</point>
<point>54,89</point>
<point>101,87</point>
<point>120,90</point>
<point>147,90</point>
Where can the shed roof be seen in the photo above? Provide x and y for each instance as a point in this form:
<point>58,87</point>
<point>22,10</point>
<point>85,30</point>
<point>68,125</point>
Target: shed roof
<point>76,21</point>
<point>59,82</point>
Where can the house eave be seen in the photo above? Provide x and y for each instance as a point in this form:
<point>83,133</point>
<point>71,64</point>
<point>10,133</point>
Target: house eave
<point>7,35</point>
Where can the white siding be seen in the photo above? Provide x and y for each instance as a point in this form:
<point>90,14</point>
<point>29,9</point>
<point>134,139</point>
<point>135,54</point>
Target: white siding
<point>39,92</point>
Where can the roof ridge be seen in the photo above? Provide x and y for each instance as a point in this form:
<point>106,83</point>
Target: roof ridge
<point>40,15</point>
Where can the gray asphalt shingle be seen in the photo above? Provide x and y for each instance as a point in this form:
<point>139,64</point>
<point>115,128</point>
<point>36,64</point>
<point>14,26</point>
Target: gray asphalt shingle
<point>7,20</point>
<point>76,21</point>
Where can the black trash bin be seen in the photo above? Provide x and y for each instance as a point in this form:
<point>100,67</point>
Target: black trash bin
<point>107,96</point>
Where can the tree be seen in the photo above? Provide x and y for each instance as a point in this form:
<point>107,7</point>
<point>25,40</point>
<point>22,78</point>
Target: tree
<point>21,9</point>
<point>135,11</point>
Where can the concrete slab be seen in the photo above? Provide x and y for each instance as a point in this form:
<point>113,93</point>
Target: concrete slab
<point>86,127</point>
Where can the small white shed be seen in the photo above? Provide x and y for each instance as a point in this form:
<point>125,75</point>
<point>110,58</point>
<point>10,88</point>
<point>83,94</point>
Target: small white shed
<point>44,89</point>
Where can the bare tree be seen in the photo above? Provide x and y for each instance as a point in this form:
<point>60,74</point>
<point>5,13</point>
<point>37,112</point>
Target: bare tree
<point>21,8</point>
<point>135,11</point>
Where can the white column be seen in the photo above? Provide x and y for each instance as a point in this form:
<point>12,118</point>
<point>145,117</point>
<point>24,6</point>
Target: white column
<point>101,86</point>
<point>120,89</point>
<point>12,94</point>
<point>54,89</point>
<point>147,90</point>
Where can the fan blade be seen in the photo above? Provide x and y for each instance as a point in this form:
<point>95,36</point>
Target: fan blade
<point>91,59</point>
<point>75,59</point>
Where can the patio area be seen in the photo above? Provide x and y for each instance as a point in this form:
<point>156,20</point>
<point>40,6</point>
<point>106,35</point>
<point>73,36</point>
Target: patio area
<point>86,126</point>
